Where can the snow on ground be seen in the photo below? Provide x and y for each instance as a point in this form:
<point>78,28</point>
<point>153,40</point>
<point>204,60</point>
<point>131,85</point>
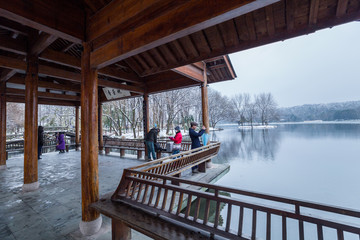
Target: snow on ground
<point>257,127</point>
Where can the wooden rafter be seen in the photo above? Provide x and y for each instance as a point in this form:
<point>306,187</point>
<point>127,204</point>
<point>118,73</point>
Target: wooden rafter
<point>314,9</point>
<point>341,8</point>
<point>204,14</point>
<point>290,11</point>
<point>270,24</point>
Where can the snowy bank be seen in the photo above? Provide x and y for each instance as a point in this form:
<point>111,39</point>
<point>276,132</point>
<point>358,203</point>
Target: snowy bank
<point>257,127</point>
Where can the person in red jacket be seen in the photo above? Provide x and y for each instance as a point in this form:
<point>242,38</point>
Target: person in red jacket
<point>177,140</point>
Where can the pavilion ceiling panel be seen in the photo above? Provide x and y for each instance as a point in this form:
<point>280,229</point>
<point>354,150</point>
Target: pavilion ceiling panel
<point>278,21</point>
<point>64,19</point>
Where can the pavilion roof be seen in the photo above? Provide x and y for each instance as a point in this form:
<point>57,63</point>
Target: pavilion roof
<point>151,46</point>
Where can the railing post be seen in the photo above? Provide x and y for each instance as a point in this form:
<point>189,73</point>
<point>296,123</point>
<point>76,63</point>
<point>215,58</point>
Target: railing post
<point>119,230</point>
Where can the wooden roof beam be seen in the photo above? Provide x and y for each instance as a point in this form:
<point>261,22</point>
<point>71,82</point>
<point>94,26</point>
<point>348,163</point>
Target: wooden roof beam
<point>70,61</point>
<point>6,74</point>
<point>166,85</point>
<point>60,18</point>
<point>14,27</point>
<point>45,84</point>
<point>13,63</point>
<point>42,42</point>
<point>55,96</point>
<point>190,71</point>
<point>12,45</point>
<point>117,85</point>
<point>170,26</point>
<point>21,99</point>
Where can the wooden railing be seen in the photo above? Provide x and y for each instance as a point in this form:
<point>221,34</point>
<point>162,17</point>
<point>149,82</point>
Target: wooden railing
<point>49,145</point>
<point>135,144</point>
<point>157,193</point>
<point>177,163</point>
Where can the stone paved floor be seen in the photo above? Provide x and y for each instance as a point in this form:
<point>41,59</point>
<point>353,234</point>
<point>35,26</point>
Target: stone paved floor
<point>54,210</point>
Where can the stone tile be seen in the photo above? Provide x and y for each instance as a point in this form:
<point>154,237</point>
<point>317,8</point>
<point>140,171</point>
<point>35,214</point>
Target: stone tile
<point>54,210</point>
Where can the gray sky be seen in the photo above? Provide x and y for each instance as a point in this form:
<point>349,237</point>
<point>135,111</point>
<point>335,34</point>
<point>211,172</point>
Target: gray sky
<point>322,67</point>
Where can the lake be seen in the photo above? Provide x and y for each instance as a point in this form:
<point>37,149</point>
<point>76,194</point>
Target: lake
<point>312,162</point>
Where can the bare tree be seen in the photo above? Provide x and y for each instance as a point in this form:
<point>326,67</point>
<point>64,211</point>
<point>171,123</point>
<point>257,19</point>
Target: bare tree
<point>238,101</point>
<point>250,109</point>
<point>266,107</point>
<point>219,107</point>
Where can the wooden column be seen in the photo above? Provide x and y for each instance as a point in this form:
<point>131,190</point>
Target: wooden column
<point>77,132</point>
<point>101,134</point>
<point>204,102</point>
<point>3,125</point>
<point>146,120</point>
<point>89,144</point>
<point>31,124</point>
<point>205,114</point>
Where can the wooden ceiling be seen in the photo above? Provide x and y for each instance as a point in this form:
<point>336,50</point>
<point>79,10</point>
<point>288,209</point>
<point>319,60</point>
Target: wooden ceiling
<point>151,46</point>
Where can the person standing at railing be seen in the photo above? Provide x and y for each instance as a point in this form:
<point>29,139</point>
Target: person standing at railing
<point>177,141</point>
<point>150,140</point>
<point>61,143</point>
<point>195,142</point>
<point>40,140</point>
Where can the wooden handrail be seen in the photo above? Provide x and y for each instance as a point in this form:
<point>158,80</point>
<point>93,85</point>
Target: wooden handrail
<point>152,191</point>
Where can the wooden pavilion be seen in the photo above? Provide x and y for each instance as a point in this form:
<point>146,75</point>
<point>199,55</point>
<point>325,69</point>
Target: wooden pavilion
<point>65,52</point>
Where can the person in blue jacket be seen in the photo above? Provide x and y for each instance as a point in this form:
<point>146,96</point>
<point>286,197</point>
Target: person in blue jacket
<point>195,142</point>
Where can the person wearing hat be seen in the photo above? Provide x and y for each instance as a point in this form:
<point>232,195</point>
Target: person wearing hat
<point>150,140</point>
<point>195,142</point>
<point>177,141</point>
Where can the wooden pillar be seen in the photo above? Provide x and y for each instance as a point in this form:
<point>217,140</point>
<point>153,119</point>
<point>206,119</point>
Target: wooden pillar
<point>2,125</point>
<point>119,230</point>
<point>91,219</point>
<point>204,102</point>
<point>31,124</point>
<point>146,120</point>
<point>101,134</point>
<point>77,129</point>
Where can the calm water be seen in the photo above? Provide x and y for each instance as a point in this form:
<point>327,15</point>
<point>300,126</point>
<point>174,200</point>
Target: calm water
<point>313,162</point>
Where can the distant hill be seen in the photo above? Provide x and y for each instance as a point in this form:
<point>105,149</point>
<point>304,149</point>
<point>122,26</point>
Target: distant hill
<point>326,112</point>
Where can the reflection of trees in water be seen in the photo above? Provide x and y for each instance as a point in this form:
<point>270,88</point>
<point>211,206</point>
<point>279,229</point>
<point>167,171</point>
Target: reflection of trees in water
<point>248,144</point>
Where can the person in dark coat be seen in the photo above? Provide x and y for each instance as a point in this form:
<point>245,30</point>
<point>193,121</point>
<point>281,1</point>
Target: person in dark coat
<point>40,140</point>
<point>195,142</point>
<point>61,143</point>
<point>150,140</point>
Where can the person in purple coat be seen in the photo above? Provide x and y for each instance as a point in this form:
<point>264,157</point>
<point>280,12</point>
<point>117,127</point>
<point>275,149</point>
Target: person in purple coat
<point>61,143</point>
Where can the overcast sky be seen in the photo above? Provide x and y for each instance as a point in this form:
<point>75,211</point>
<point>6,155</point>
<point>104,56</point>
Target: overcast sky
<point>321,67</point>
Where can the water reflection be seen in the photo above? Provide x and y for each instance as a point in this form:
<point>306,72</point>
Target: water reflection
<point>348,131</point>
<point>247,145</point>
